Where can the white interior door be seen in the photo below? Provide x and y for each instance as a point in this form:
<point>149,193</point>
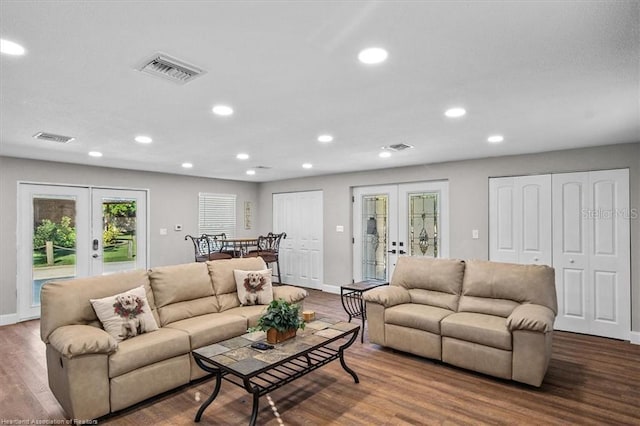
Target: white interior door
<point>398,220</point>
<point>71,231</point>
<point>592,252</point>
<point>520,219</point>
<point>299,214</point>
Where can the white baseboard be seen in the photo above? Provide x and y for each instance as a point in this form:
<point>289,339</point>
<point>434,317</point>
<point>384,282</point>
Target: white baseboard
<point>8,319</point>
<point>335,289</point>
<point>634,337</point>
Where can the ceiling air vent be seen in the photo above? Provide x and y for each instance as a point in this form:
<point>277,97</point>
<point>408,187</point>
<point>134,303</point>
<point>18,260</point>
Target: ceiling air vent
<point>169,68</point>
<point>398,147</point>
<point>53,138</point>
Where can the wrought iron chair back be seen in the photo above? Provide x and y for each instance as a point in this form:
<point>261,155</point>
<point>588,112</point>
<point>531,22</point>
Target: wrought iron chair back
<point>269,249</point>
<point>208,247</point>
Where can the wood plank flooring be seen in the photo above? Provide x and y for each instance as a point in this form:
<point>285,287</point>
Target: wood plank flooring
<point>591,381</point>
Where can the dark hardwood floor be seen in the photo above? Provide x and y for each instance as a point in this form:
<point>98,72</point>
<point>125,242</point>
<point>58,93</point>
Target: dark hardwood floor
<point>591,381</point>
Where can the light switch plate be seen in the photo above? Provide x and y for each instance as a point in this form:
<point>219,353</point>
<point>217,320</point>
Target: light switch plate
<point>339,228</point>
<point>163,231</point>
<point>475,234</point>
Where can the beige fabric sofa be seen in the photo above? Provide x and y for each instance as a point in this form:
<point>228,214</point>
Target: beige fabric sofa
<point>194,305</point>
<point>494,318</point>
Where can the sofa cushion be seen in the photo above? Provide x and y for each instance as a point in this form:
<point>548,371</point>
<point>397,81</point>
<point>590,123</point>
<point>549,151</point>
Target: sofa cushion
<point>125,315</point>
<point>187,309</point>
<point>147,349</point>
<point>421,317</point>
<point>254,287</point>
<point>177,283</point>
<point>441,278</point>
<point>488,330</point>
<point>211,328</point>
<point>508,281</point>
<point>74,296</point>
<point>224,282</point>
<point>251,313</point>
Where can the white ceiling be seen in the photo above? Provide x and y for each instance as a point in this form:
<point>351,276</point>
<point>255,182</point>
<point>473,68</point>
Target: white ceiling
<point>547,75</point>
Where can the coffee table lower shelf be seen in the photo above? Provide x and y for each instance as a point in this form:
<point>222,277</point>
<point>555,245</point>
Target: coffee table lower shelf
<point>271,377</point>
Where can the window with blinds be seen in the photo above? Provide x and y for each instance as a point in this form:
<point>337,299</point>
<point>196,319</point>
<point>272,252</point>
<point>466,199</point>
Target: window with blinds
<point>217,214</point>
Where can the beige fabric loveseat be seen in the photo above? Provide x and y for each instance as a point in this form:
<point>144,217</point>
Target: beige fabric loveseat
<point>194,305</point>
<point>494,318</point>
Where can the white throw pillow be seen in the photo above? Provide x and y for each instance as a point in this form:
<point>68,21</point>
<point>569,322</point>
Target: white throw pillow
<point>125,315</point>
<point>254,287</point>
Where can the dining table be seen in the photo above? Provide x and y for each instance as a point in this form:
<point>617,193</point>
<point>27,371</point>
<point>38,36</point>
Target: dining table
<point>239,247</point>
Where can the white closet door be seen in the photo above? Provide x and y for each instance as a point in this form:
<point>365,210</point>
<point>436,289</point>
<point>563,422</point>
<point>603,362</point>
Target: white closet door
<point>592,253</point>
<point>520,219</point>
<point>300,215</point>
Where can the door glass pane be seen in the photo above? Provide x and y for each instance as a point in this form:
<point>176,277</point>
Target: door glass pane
<point>119,224</point>
<point>374,237</point>
<point>54,241</point>
<point>423,224</point>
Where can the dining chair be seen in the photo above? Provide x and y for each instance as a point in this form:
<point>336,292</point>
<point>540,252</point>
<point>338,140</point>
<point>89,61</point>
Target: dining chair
<point>217,247</point>
<point>269,250</point>
<point>208,247</point>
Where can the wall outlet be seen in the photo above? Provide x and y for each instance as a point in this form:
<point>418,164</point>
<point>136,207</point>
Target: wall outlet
<point>163,231</point>
<point>475,234</point>
<point>339,228</point>
<point>177,228</point>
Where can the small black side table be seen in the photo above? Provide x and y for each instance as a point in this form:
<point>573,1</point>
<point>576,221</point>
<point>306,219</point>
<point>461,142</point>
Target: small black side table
<point>352,302</point>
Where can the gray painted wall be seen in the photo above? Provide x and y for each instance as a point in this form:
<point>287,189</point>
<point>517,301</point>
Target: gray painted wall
<point>469,201</point>
<point>173,200</point>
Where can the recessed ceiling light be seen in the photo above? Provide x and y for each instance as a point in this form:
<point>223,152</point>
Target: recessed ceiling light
<point>251,172</point>
<point>95,154</point>
<point>384,154</point>
<point>143,139</point>
<point>495,138</point>
<point>307,165</point>
<point>455,112</point>
<point>187,165</point>
<point>325,138</point>
<point>10,48</point>
<point>372,55</point>
<point>222,110</point>
<point>242,156</point>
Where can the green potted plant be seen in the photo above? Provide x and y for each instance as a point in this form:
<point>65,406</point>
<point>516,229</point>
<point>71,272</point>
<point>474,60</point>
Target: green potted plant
<point>281,321</point>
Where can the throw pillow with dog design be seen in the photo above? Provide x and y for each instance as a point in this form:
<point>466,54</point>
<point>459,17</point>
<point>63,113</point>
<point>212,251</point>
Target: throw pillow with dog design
<point>254,287</point>
<point>125,315</point>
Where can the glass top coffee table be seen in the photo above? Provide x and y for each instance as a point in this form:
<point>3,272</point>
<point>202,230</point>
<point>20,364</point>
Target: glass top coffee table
<point>260,372</point>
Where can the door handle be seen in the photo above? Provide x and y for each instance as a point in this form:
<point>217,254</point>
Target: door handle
<point>571,261</point>
<point>95,255</point>
<point>392,251</point>
<point>403,252</point>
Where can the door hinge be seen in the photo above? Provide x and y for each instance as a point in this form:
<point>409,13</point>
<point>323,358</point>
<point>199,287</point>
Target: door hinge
<point>353,199</point>
<point>353,240</point>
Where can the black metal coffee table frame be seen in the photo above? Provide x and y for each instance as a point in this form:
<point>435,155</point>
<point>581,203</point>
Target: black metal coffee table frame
<point>274,376</point>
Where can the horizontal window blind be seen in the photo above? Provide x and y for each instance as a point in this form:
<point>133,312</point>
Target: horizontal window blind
<point>217,214</point>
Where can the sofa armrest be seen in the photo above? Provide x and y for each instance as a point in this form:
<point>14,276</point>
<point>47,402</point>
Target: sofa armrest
<point>74,340</point>
<point>289,293</point>
<point>531,317</point>
<point>387,296</point>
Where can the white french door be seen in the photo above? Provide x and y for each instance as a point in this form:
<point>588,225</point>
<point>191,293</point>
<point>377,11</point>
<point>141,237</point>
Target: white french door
<point>71,231</point>
<point>398,220</point>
